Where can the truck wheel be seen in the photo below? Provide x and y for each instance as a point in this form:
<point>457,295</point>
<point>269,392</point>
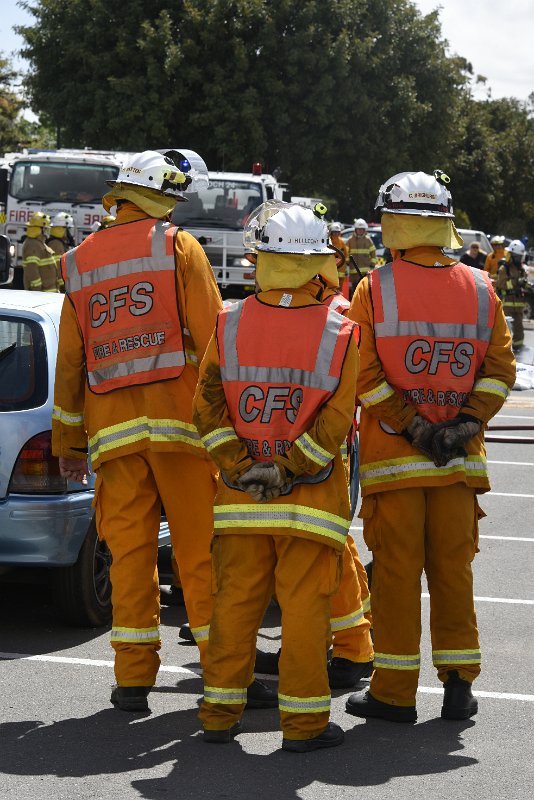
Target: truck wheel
<point>83,590</point>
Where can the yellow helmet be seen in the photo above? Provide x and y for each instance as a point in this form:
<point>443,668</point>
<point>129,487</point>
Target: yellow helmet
<point>39,220</point>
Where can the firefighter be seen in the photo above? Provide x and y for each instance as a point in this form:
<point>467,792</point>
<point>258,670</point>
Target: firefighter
<point>340,244</point>
<point>104,222</point>
<point>510,285</point>
<point>491,264</point>
<point>61,240</point>
<point>143,306</point>
<point>363,251</point>
<point>274,412</point>
<point>436,365</point>
<point>38,261</point>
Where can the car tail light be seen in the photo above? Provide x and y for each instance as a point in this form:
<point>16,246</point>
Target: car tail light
<point>37,470</point>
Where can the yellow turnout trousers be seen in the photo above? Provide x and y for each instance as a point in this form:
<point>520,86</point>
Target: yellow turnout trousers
<point>434,529</point>
<point>349,624</point>
<point>129,494</point>
<point>304,574</point>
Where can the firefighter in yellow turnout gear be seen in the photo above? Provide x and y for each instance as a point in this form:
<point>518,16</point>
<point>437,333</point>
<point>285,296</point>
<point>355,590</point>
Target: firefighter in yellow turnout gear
<point>38,260</point>
<point>148,292</point>
<point>274,412</point>
<point>436,365</point>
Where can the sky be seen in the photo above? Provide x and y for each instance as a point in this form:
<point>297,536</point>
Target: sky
<point>494,35</point>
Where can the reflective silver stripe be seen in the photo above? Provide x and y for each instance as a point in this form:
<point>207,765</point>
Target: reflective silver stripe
<point>456,657</point>
<point>156,262</point>
<point>366,604</point>
<point>68,418</point>
<point>313,450</point>
<point>327,346</point>
<point>417,466</point>
<point>348,621</point>
<point>280,375</point>
<point>303,705</point>
<point>316,379</point>
<point>144,428</point>
<point>390,661</point>
<point>218,437</point>
<point>233,315</point>
<point>377,395</point>
<point>393,327</point>
<point>135,635</point>
<point>491,386</point>
<point>201,634</point>
<point>215,694</point>
<point>135,366</point>
<point>281,516</point>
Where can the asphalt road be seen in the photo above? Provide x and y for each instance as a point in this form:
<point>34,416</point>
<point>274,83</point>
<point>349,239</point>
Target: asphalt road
<point>60,739</point>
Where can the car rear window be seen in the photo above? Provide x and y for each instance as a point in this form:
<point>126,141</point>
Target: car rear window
<point>23,364</point>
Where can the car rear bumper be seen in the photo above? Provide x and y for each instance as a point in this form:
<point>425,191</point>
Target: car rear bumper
<point>45,531</point>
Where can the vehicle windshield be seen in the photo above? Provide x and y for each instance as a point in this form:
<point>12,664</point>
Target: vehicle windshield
<point>225,204</point>
<point>54,182</point>
<point>23,364</point>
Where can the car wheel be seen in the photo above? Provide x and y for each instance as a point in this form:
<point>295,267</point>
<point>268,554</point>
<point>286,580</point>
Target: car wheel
<point>83,591</point>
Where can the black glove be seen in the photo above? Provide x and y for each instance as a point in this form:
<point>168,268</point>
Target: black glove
<point>419,433</point>
<point>449,438</point>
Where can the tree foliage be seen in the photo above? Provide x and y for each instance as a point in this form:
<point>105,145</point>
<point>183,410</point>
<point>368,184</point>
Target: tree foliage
<point>339,94</point>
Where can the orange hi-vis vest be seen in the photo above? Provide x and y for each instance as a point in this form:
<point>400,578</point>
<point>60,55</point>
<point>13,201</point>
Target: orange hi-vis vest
<point>337,302</point>
<point>278,367</point>
<point>122,282</point>
<point>432,328</point>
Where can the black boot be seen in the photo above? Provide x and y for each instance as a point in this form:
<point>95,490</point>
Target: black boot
<point>171,596</point>
<point>345,674</point>
<point>458,700</point>
<point>224,736</point>
<point>186,633</point>
<point>261,696</point>
<point>266,663</point>
<point>330,737</point>
<point>131,698</point>
<point>363,704</point>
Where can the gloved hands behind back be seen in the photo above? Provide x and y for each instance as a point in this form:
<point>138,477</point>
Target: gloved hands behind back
<point>441,441</point>
<point>448,441</point>
<point>263,481</point>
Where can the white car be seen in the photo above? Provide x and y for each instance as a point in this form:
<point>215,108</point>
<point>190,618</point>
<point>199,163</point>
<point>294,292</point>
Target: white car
<point>46,522</point>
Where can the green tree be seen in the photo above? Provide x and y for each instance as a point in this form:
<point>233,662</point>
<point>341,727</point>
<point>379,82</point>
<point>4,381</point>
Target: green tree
<point>12,128</point>
<point>339,94</point>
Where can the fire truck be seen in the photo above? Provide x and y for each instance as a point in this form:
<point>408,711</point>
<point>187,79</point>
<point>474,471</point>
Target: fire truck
<point>73,181</point>
<point>216,215</point>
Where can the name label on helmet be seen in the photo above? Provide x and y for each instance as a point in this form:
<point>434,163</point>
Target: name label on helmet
<point>254,403</point>
<point>299,240</point>
<point>104,307</point>
<point>424,195</point>
<point>423,356</point>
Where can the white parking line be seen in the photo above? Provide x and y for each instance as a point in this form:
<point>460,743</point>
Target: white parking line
<point>92,662</point>
<point>514,463</point>
<point>482,536</point>
<point>512,416</point>
<point>507,538</point>
<point>495,600</point>
<point>506,494</point>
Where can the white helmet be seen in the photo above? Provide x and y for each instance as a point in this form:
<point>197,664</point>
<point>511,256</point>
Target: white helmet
<point>516,248</point>
<point>335,227</point>
<point>360,223</point>
<point>279,227</point>
<point>62,220</point>
<point>170,172</point>
<point>497,240</point>
<point>416,193</point>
